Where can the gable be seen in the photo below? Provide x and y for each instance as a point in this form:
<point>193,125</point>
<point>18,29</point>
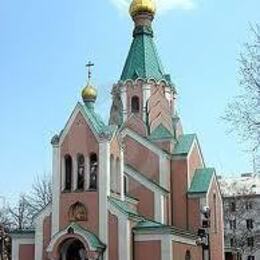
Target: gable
<point>81,115</point>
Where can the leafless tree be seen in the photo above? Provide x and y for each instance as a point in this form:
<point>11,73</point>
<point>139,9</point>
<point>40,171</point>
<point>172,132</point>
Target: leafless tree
<point>243,113</point>
<point>40,195</point>
<point>240,215</point>
<point>28,205</point>
<point>20,214</point>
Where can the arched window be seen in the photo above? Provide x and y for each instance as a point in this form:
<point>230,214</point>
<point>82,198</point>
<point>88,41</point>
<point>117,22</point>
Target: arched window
<point>135,104</point>
<point>68,172</point>
<point>81,171</point>
<point>112,172</point>
<point>118,177</point>
<point>188,255</point>
<point>126,185</point>
<point>93,168</point>
<point>215,212</point>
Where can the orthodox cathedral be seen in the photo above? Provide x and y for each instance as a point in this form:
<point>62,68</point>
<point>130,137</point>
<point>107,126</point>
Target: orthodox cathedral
<point>136,188</point>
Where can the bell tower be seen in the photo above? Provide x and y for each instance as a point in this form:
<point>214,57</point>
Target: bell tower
<point>144,97</point>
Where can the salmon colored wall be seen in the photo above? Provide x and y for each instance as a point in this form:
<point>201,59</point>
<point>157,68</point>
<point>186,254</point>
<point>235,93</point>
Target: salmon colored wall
<point>89,200</point>
<point>142,159</point>
<point>145,197</point>
<point>46,235</point>
<point>114,147</point>
<point>79,139</point>
<point>185,213</point>
<point>179,193</point>
<point>26,252</point>
<point>217,231</point>
<point>136,124</point>
<point>194,162</point>
<point>194,214</point>
<point>147,250</point>
<point>113,237</point>
<point>179,251</point>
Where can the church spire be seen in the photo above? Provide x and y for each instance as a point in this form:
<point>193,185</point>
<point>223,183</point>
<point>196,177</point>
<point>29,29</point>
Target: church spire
<point>143,60</point>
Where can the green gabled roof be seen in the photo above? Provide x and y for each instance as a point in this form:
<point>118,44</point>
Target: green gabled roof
<point>91,237</point>
<point>160,133</point>
<point>184,144</point>
<point>124,207</point>
<point>96,121</point>
<point>151,227</point>
<point>201,180</point>
<point>148,224</point>
<point>143,60</point>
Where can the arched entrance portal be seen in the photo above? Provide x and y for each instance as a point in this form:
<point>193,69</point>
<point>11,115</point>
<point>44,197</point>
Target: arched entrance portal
<point>73,249</point>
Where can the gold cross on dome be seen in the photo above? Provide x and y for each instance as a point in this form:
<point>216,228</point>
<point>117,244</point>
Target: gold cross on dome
<point>89,65</point>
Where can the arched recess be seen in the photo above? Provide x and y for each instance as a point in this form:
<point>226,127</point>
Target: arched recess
<point>78,212</point>
<point>135,104</point>
<point>112,173</point>
<point>73,249</point>
<point>68,172</point>
<point>61,241</point>
<point>80,172</point>
<point>118,173</point>
<point>93,169</point>
<point>188,255</point>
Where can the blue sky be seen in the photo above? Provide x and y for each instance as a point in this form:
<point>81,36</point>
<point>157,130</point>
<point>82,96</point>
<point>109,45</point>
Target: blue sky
<point>45,45</point>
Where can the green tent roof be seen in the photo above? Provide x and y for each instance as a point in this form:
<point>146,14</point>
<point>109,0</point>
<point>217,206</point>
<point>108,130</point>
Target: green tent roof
<point>201,180</point>
<point>184,144</point>
<point>143,60</point>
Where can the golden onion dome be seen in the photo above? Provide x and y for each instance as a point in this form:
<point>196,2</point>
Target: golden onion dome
<point>139,6</point>
<point>89,93</point>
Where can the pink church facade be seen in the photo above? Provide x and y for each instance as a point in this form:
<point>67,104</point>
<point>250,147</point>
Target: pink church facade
<point>132,189</point>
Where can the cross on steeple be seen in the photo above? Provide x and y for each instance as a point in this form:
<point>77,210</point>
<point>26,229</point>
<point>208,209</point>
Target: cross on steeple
<point>89,65</point>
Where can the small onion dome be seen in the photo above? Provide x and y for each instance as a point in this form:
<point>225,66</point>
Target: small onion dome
<point>139,6</point>
<point>89,93</point>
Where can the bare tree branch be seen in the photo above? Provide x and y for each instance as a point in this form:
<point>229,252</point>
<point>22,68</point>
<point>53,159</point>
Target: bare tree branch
<point>243,113</point>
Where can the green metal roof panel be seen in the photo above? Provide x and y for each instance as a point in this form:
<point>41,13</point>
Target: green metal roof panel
<point>95,119</point>
<point>184,144</point>
<point>201,180</point>
<point>160,133</point>
<point>123,207</point>
<point>143,60</point>
<point>91,237</point>
<point>148,224</point>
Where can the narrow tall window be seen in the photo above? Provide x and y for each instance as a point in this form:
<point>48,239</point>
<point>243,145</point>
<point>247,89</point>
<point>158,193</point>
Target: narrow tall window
<point>93,171</point>
<point>135,104</point>
<point>250,242</point>
<point>81,171</point>
<point>126,185</point>
<point>232,206</point>
<point>68,172</point>
<point>232,224</point>
<point>187,255</point>
<point>249,223</point>
<point>249,205</point>
<point>112,173</point>
<point>215,212</point>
